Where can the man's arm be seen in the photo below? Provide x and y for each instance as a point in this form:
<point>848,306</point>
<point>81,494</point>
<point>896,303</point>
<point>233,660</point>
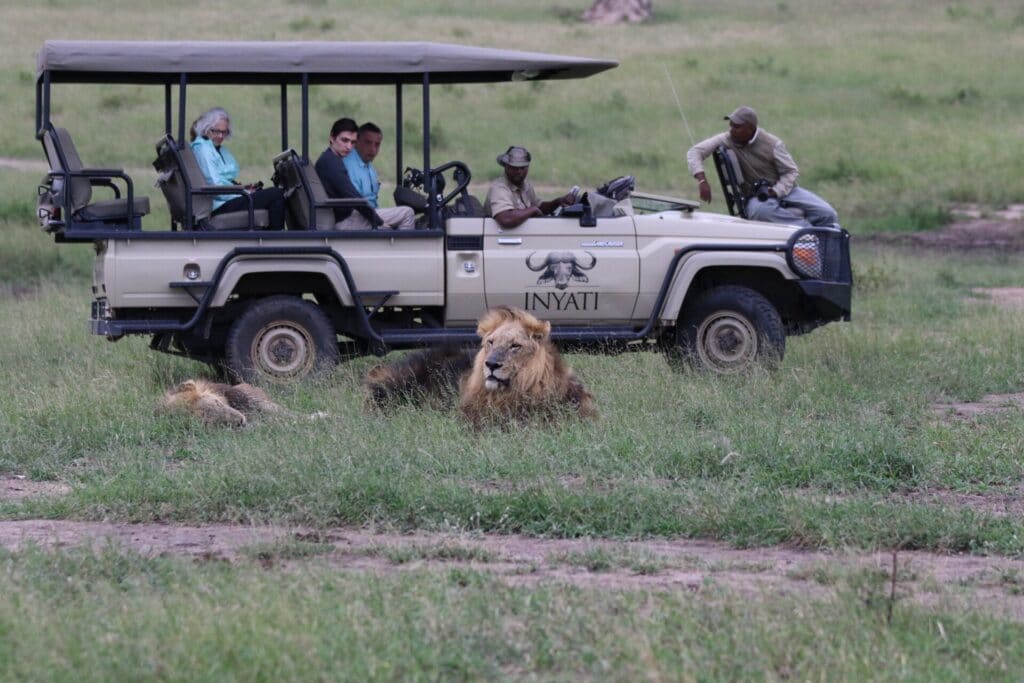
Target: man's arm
<point>513,218</point>
<point>788,171</point>
<point>502,208</point>
<point>549,206</point>
<point>695,162</point>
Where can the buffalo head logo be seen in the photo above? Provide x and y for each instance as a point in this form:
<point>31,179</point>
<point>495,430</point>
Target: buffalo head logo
<point>561,266</point>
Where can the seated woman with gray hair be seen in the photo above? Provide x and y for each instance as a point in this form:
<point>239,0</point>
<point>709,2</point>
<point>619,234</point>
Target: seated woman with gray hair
<point>219,167</point>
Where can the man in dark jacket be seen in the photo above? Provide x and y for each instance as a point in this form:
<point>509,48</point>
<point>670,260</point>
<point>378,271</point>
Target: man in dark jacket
<point>334,176</point>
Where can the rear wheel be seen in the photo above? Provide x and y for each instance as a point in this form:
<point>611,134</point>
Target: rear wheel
<point>280,339</point>
<point>728,329</point>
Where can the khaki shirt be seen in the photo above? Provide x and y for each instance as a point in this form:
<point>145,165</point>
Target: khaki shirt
<point>765,156</point>
<point>503,196</point>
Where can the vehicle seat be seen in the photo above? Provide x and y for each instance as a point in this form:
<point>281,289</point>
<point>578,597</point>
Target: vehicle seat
<point>304,192</point>
<point>731,177</point>
<point>78,181</point>
<point>733,185</point>
<point>467,206</point>
<point>189,197</point>
<point>611,200</point>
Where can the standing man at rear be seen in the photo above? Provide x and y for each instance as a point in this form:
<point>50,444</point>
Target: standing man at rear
<point>364,176</point>
<point>762,157</point>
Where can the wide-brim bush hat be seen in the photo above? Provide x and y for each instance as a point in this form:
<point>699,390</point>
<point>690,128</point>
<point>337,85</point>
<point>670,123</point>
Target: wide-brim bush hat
<point>515,156</point>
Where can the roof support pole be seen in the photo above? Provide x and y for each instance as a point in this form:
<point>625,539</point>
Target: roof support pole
<point>167,109</point>
<point>46,102</point>
<point>398,134</point>
<point>182,82</point>
<point>433,210</point>
<point>284,116</point>
<point>305,116</point>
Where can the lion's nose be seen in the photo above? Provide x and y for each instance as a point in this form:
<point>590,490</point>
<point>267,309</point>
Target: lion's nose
<point>492,365</point>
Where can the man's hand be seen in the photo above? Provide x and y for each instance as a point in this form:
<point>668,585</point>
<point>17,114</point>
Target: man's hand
<point>704,188</point>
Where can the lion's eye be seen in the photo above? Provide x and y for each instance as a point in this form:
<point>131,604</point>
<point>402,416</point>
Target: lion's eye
<point>490,342</point>
<point>515,345</point>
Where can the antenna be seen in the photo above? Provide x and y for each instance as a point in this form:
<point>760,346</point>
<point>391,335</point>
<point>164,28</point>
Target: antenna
<point>678,104</point>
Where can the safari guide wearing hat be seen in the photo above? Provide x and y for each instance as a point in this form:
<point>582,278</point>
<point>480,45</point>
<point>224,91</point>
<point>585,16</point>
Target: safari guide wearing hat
<point>511,199</point>
<point>762,155</point>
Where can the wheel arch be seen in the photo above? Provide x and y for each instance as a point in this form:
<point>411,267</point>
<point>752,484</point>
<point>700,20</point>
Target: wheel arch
<point>766,274</point>
<point>249,277</point>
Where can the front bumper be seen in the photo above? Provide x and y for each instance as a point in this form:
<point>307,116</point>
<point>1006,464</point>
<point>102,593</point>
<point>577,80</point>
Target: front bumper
<point>826,301</point>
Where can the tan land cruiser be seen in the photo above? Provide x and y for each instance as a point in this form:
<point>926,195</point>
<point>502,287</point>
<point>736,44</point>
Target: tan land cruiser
<point>619,270</point>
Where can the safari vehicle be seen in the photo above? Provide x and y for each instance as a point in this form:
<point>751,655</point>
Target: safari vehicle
<point>621,269</point>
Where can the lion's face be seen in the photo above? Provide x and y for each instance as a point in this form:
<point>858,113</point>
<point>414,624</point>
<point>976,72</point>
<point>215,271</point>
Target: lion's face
<point>509,348</point>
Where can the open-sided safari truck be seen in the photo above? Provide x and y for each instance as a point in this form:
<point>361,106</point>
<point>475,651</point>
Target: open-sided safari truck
<point>620,269</point>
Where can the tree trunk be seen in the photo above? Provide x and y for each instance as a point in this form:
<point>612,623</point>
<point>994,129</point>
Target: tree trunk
<point>615,11</point>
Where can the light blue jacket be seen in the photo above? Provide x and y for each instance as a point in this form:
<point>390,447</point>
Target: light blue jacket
<point>363,176</point>
<point>218,166</point>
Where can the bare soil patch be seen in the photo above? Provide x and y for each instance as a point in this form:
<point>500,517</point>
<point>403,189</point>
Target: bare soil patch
<point>24,164</point>
<point>973,228</point>
<point>991,585</point>
<point>992,404</point>
<point>1009,503</point>
<point>1005,297</point>
<point>18,487</point>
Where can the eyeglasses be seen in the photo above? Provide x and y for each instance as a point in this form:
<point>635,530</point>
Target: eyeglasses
<point>219,131</point>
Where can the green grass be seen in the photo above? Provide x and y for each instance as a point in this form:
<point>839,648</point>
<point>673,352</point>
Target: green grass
<point>809,455</point>
<point>894,111</point>
<point>99,616</point>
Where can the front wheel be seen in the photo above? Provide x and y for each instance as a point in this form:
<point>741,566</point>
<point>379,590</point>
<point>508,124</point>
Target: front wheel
<point>280,339</point>
<point>728,329</point>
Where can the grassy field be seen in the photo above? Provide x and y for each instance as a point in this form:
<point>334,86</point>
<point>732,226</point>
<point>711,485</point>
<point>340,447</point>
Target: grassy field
<point>894,112</point>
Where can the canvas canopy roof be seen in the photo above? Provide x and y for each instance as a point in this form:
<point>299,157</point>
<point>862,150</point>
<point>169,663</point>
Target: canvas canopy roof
<point>86,61</point>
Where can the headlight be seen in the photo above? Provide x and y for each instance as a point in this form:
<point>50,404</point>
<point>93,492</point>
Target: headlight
<point>820,254</point>
<point>805,256</point>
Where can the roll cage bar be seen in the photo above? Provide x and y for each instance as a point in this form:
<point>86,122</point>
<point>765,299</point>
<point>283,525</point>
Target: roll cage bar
<point>178,64</point>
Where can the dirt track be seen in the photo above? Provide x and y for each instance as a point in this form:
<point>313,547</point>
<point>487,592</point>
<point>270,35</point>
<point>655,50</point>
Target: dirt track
<point>993,585</point>
<point>990,585</point>
<point>972,229</point>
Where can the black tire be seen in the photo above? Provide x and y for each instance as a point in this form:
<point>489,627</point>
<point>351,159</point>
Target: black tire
<point>280,339</point>
<point>728,329</point>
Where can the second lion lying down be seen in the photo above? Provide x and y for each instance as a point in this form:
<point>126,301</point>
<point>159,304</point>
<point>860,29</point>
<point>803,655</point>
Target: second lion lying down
<point>517,373</point>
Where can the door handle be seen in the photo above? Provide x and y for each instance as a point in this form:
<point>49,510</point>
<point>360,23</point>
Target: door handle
<point>510,240</point>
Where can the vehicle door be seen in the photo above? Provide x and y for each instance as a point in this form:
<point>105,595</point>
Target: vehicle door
<point>561,271</point>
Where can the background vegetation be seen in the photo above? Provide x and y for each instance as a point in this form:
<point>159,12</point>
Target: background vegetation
<point>894,111</point>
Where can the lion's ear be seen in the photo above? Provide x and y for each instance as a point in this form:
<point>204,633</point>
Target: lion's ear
<point>541,330</point>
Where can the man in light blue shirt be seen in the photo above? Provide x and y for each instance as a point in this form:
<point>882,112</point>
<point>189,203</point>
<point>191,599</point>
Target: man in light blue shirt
<point>364,176</point>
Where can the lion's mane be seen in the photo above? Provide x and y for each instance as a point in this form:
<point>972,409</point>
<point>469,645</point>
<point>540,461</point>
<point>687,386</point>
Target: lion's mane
<point>536,381</point>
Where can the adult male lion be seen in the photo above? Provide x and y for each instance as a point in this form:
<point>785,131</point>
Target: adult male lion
<point>516,373</point>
